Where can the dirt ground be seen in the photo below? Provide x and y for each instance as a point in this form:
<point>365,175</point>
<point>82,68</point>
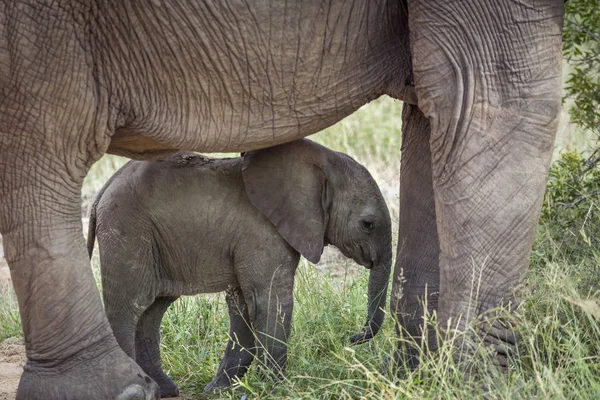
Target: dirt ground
<point>12,359</point>
<point>12,351</point>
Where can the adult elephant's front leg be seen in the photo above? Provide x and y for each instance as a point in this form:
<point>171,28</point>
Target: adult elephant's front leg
<point>71,351</point>
<point>417,272</point>
<point>487,75</point>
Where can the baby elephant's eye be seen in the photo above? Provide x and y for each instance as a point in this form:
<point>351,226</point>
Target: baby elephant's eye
<point>367,225</point>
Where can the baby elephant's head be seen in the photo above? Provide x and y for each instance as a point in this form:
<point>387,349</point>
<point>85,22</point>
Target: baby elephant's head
<point>315,196</point>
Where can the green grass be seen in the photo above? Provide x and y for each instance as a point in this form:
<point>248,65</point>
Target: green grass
<point>557,355</point>
<point>10,322</point>
<point>557,320</point>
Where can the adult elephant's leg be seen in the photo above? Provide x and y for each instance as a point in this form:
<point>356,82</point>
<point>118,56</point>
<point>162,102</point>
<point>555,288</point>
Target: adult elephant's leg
<point>417,274</point>
<point>70,348</point>
<point>488,77</point>
<point>240,346</point>
<point>147,345</point>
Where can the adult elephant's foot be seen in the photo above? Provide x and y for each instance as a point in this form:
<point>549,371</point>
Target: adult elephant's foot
<point>498,333</point>
<point>111,375</point>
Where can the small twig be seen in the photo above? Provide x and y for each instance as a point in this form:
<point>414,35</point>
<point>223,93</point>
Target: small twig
<point>591,164</point>
<point>579,200</point>
<point>582,29</point>
<point>573,60</point>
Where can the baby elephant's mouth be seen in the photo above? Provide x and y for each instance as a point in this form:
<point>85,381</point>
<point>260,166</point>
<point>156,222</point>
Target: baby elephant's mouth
<point>366,259</point>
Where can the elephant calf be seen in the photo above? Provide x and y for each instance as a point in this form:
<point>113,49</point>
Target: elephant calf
<point>187,224</point>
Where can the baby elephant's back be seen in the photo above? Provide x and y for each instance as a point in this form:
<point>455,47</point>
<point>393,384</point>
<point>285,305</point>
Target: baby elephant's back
<point>185,187</point>
<point>184,212</point>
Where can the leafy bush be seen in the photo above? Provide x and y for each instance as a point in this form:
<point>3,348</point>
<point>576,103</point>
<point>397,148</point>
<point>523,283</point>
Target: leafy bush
<point>581,49</point>
<point>570,218</point>
<point>572,192</point>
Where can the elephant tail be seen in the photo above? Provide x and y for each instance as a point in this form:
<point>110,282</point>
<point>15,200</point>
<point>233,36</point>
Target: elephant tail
<point>91,239</point>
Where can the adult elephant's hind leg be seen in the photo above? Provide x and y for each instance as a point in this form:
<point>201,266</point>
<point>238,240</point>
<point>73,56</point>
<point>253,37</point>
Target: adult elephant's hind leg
<point>416,276</point>
<point>71,352</point>
<point>488,76</point>
<point>147,345</point>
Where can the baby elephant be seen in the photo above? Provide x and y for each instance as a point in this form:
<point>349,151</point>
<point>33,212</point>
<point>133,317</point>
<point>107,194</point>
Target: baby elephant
<point>187,224</point>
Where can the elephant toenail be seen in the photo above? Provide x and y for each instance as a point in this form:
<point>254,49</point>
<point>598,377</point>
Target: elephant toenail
<point>132,392</point>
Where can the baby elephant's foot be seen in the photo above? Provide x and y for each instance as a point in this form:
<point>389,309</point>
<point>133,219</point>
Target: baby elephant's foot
<point>221,381</point>
<point>168,388</point>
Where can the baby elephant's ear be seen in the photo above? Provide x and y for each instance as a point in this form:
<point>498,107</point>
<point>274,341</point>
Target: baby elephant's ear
<point>288,185</point>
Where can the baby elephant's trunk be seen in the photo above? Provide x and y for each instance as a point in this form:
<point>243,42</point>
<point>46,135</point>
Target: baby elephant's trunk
<point>378,284</point>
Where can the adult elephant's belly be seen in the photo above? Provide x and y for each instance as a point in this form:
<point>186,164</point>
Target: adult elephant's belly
<point>226,130</point>
<point>261,74</point>
<point>138,146</point>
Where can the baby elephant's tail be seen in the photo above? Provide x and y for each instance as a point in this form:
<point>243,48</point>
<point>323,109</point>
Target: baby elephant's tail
<point>93,211</point>
<point>93,214</point>
<point>92,227</point>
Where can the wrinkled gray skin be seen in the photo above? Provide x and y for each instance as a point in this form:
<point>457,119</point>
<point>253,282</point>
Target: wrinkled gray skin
<point>79,79</point>
<point>187,224</point>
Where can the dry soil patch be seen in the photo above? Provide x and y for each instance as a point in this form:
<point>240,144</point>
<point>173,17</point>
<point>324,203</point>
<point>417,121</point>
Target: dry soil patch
<point>12,359</point>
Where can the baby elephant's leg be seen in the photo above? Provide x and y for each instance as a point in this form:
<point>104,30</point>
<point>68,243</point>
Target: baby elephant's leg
<point>124,313</point>
<point>270,305</point>
<point>240,347</point>
<point>147,342</point>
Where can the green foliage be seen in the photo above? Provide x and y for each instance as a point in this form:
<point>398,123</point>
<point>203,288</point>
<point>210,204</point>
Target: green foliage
<point>194,333</point>
<point>572,191</point>
<point>10,321</point>
<point>570,216</point>
<point>581,48</point>
<point>560,311</point>
<point>557,355</point>
<point>372,134</point>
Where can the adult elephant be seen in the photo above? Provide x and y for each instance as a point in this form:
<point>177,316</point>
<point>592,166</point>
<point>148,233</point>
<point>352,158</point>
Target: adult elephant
<point>142,79</point>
